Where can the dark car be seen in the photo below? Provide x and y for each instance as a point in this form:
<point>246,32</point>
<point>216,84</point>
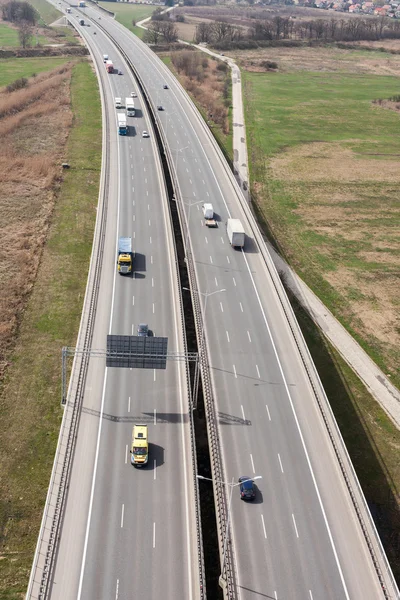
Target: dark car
<point>247,488</point>
<point>165,86</point>
<point>160,107</point>
<point>143,330</point>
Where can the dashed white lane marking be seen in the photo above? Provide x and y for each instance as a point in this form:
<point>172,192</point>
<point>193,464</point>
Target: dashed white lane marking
<point>263,524</point>
<point>151,259</point>
<point>155,469</point>
<point>187,170</point>
<point>152,282</point>
<point>234,281</point>
<point>147,192</point>
<point>276,595</point>
<point>222,240</point>
<point>154,535</point>
<point>258,372</point>
<point>211,260</point>
<point>252,463</point>
<point>133,300</point>
<point>145,179</point>
<point>269,416</point>
<point>126,454</point>
<point>227,258</point>
<point>155,416</point>
<point>295,526</point>
<point>148,207</point>
<point>203,180</point>
<point>154,375</point>
<point>116,590</point>
<point>248,335</point>
<point>190,181</point>
<point>134,235</point>
<point>234,370</point>
<point>222,308</point>
<point>122,516</point>
<point>227,336</point>
<point>241,307</point>
<point>311,596</point>
<point>153,308</point>
<point>132,329</point>
<point>280,462</point>
<point>149,223</point>
<point>150,239</point>
<point>207,193</point>
<point>216,282</point>
<point>205,237</point>
<point>129,404</point>
<point>241,406</point>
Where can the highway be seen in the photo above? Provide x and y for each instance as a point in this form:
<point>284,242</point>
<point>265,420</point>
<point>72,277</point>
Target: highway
<point>128,532</point>
<point>301,537</point>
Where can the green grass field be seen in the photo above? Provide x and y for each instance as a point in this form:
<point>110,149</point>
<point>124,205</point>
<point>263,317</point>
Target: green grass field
<point>291,109</point>
<point>51,320</point>
<point>344,221</point>
<point>48,13</point>
<point>14,68</point>
<point>126,12</point>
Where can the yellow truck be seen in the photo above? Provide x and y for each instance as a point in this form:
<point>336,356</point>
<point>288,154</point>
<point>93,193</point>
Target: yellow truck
<point>125,254</point>
<point>140,446</point>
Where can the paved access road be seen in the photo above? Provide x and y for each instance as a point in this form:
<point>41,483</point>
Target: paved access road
<point>300,538</point>
<point>132,532</point>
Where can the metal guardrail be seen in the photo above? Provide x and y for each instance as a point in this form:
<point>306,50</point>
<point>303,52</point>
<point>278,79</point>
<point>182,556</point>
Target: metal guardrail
<point>44,558</point>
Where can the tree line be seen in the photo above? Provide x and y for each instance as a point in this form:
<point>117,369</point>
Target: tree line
<point>285,28</point>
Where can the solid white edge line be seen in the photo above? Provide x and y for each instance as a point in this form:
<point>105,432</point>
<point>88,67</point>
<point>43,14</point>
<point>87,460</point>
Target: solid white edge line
<point>122,515</point>
<point>263,524</point>
<point>103,393</point>
<point>154,535</point>
<point>299,430</point>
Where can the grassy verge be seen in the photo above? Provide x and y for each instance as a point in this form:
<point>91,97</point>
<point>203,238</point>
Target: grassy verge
<point>14,68</point>
<point>323,161</point>
<point>224,139</point>
<point>30,396</point>
<point>125,13</point>
<point>48,13</point>
<point>372,440</point>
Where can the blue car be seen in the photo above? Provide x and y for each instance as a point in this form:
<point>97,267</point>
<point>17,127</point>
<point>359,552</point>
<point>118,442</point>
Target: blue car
<point>247,488</point>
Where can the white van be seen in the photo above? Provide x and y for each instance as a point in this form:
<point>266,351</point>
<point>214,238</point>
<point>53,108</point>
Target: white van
<point>118,103</point>
<point>105,57</point>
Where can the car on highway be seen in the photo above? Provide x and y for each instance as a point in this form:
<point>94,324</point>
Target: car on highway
<point>120,73</point>
<point>159,107</point>
<point>133,95</point>
<point>145,134</point>
<point>143,330</point>
<point>165,86</point>
<point>247,488</point>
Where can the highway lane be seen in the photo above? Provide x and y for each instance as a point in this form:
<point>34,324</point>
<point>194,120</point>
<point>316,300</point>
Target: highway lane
<point>312,546</point>
<point>127,529</point>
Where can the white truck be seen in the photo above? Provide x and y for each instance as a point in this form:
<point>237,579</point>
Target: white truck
<point>122,126</point>
<point>118,103</point>
<point>130,107</point>
<point>236,234</point>
<point>208,213</point>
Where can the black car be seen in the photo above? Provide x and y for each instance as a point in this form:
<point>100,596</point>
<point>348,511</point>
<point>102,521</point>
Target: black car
<point>160,107</point>
<point>247,488</point>
<point>143,330</point>
<point>165,86</point>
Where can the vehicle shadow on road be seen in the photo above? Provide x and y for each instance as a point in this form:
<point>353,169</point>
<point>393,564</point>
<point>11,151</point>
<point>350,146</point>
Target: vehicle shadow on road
<point>250,246</point>
<point>156,456</point>
<point>139,265</point>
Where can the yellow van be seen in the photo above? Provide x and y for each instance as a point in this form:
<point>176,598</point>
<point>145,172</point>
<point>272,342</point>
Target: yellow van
<point>140,446</point>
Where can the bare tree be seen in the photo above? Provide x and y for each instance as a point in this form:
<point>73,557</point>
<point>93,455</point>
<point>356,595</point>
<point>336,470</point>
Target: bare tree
<point>25,34</point>
<point>168,30</point>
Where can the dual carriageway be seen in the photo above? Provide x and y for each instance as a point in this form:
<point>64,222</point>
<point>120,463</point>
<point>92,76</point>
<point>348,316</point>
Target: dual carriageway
<point>124,533</point>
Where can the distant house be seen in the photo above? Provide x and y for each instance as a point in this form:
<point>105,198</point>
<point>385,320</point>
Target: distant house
<point>354,8</point>
<point>380,12</point>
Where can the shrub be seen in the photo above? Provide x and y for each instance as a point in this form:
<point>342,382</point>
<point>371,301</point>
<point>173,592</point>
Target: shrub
<point>17,84</point>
